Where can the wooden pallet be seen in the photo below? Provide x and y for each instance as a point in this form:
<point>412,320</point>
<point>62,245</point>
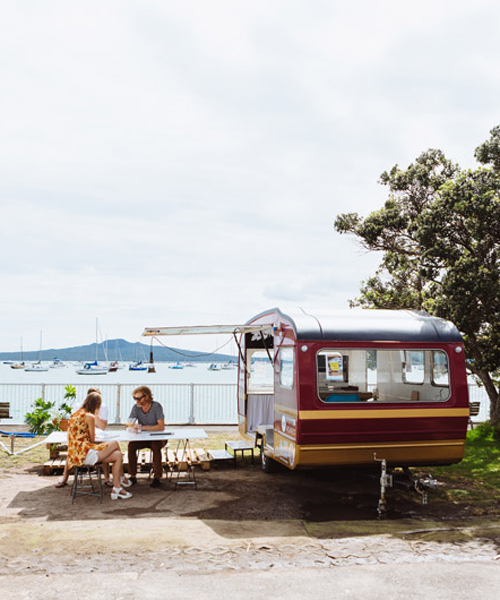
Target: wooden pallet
<point>177,460</point>
<point>203,459</point>
<point>171,458</point>
<point>56,449</point>
<point>54,466</point>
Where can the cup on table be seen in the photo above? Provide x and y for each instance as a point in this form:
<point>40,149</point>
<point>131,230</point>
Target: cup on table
<point>131,423</point>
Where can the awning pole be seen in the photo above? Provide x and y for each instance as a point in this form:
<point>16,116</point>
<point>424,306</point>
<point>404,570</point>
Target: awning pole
<point>239,348</point>
<point>267,349</point>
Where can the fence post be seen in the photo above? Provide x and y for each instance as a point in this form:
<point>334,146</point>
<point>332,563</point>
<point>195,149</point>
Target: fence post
<point>191,405</point>
<point>118,403</point>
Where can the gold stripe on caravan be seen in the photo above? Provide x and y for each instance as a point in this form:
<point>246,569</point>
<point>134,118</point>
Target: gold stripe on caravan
<point>403,413</point>
<point>384,445</point>
<point>286,410</point>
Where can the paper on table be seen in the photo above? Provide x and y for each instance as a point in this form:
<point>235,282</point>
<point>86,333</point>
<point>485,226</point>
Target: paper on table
<point>106,435</point>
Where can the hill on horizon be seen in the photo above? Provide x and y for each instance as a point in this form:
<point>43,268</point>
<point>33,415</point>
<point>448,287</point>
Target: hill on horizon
<point>118,349</point>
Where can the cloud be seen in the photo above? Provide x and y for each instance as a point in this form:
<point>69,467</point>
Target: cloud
<point>183,162</point>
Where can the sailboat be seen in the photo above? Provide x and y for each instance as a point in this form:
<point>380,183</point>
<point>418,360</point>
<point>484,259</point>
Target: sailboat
<point>138,364</point>
<point>57,363</point>
<point>93,368</point>
<point>177,365</point>
<point>19,365</point>
<point>115,365</point>
<point>37,366</point>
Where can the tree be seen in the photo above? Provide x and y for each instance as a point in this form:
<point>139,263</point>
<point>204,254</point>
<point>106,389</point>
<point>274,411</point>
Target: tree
<point>439,232</point>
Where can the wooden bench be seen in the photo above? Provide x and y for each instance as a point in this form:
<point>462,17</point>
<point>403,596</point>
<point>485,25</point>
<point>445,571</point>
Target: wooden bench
<point>13,435</point>
<point>474,408</point>
<point>4,410</point>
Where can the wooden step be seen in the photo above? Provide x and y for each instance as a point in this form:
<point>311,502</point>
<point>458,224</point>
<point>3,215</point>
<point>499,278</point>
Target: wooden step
<point>220,455</point>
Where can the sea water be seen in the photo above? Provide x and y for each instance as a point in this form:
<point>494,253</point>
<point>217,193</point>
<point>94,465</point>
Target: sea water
<point>165,373</point>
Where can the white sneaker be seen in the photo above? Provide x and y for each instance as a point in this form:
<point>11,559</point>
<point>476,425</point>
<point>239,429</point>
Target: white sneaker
<point>125,482</point>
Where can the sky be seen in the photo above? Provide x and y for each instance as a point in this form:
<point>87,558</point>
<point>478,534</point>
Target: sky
<point>183,162</point>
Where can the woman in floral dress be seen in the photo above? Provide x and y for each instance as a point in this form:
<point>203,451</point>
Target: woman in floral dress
<point>83,449</point>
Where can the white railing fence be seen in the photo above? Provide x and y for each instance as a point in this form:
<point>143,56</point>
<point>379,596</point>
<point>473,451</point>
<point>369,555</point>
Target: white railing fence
<point>188,403</point>
<point>184,403</point>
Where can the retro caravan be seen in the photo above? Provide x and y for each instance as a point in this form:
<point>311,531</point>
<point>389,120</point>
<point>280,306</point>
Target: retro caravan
<point>343,387</point>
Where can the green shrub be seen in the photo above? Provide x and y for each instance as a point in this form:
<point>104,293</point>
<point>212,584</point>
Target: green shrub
<point>46,417</point>
<point>40,419</point>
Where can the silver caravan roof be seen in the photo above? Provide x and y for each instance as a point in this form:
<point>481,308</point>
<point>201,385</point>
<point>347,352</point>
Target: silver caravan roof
<point>367,325</point>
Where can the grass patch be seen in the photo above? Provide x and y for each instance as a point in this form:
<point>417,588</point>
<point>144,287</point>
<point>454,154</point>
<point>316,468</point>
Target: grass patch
<point>28,459</point>
<point>477,476</point>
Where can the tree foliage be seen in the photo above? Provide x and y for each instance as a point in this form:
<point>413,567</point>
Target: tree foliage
<point>439,234</point>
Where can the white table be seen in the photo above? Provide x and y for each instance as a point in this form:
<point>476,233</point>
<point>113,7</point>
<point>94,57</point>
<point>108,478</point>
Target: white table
<point>182,436</point>
<point>123,435</point>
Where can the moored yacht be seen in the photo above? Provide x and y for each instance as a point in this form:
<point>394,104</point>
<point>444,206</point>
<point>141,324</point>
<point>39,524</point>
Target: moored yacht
<point>92,368</point>
<point>38,366</point>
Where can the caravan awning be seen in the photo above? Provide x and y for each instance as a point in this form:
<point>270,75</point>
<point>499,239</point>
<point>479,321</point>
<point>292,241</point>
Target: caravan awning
<point>201,329</point>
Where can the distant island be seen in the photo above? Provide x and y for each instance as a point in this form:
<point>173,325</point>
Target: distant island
<point>120,350</point>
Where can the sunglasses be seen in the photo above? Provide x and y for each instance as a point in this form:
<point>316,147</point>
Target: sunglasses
<point>138,399</point>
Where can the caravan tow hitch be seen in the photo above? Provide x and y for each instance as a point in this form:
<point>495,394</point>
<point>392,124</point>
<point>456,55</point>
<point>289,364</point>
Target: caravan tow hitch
<point>387,480</point>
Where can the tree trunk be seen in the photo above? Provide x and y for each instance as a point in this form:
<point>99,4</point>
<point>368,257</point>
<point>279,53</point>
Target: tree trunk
<point>493,395</point>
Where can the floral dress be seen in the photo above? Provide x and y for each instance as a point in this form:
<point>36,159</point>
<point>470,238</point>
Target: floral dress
<point>79,442</point>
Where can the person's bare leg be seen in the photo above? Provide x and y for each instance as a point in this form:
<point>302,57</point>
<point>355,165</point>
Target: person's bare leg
<point>65,476</point>
<point>103,454</point>
<point>112,454</point>
<point>117,469</point>
<point>107,477</point>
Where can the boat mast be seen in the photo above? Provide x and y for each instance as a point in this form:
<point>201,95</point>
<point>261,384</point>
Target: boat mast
<point>40,351</point>
<point>96,335</point>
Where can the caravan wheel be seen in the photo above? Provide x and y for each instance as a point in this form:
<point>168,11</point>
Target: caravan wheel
<point>268,464</point>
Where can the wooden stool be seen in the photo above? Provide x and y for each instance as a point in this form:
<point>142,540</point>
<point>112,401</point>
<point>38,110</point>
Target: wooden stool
<point>82,486</point>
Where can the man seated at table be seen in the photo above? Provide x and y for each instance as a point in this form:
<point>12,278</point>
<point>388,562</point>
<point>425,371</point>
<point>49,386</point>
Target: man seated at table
<point>149,417</point>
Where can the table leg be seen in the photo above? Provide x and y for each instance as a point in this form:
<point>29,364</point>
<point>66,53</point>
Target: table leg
<point>185,456</point>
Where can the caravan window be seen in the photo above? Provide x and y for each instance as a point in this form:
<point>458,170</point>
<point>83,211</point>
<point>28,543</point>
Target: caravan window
<point>440,373</point>
<point>413,366</point>
<point>286,362</point>
<point>261,372</point>
<point>382,375</point>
